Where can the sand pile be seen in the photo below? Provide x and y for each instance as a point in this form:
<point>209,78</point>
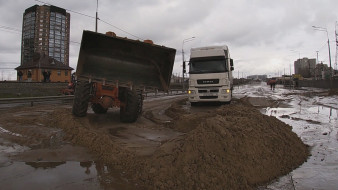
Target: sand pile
<point>233,147</point>
<point>79,132</point>
<point>237,148</point>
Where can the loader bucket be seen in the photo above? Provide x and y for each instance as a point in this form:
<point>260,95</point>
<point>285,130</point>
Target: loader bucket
<point>125,61</point>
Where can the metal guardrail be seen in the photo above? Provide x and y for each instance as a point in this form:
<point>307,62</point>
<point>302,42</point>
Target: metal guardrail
<point>35,99</point>
<point>71,97</point>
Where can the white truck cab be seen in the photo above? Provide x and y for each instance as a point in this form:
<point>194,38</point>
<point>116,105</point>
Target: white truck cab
<point>210,75</point>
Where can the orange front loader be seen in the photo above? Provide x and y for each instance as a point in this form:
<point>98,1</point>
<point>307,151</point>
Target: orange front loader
<point>113,71</point>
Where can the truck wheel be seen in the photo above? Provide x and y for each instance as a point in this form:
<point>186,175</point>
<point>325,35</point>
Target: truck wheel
<point>130,111</point>
<point>98,109</point>
<point>81,98</point>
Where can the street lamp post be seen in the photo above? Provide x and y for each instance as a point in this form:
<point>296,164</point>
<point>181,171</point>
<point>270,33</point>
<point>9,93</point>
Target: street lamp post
<point>328,45</point>
<point>184,69</point>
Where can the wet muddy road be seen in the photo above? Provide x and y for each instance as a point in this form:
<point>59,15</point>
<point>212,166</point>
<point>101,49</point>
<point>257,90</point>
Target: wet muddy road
<point>35,156</point>
<point>314,118</point>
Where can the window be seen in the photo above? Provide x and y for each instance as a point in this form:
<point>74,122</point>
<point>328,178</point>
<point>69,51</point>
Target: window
<point>59,72</point>
<point>66,73</point>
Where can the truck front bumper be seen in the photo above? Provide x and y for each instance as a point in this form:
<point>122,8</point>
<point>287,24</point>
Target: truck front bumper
<point>211,94</point>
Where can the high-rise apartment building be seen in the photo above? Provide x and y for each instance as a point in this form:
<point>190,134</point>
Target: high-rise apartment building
<point>305,67</point>
<point>45,43</point>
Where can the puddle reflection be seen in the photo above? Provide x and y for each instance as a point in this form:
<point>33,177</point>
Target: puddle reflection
<point>62,175</point>
<point>331,113</point>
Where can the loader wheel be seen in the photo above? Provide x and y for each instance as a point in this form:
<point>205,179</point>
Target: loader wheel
<point>81,98</point>
<point>130,112</point>
<point>98,109</point>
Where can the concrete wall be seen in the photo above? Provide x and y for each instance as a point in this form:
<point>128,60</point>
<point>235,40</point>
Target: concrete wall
<point>17,89</point>
<point>318,83</point>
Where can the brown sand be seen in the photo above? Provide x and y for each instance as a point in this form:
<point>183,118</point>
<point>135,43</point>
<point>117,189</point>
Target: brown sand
<point>231,147</point>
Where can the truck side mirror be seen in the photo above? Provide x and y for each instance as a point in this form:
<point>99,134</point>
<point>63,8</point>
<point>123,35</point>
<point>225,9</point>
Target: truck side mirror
<point>232,64</point>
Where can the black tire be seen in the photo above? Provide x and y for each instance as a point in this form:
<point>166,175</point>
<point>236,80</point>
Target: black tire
<point>81,98</point>
<point>130,111</point>
<point>98,109</point>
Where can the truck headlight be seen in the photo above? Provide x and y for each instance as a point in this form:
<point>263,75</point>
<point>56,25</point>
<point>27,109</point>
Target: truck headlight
<point>191,91</point>
<point>191,82</point>
<point>225,91</point>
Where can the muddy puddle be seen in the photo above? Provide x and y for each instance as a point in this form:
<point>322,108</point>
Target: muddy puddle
<point>62,175</point>
<point>315,120</point>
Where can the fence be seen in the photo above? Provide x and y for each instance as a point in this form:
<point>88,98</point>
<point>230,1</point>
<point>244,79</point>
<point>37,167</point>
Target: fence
<point>319,83</point>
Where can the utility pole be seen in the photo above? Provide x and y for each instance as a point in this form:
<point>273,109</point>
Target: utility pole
<point>184,69</point>
<point>328,45</point>
<point>317,62</point>
<point>336,47</point>
<point>96,18</point>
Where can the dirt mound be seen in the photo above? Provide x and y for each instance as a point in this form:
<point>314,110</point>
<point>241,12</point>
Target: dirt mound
<point>233,147</point>
<point>80,132</point>
<point>237,148</point>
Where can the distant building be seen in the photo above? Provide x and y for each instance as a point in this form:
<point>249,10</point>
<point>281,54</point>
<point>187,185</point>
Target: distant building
<point>305,67</point>
<point>322,71</point>
<point>45,44</point>
<point>258,77</point>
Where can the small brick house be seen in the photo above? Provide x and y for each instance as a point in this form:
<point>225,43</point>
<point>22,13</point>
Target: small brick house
<point>33,70</point>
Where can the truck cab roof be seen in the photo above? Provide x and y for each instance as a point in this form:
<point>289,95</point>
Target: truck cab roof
<point>209,51</point>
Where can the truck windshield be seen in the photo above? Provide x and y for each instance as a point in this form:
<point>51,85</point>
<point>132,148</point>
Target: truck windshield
<point>207,65</point>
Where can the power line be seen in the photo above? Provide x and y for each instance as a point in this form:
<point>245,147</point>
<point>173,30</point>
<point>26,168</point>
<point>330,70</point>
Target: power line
<point>320,49</point>
<point>10,28</point>
<point>118,28</point>
<point>19,32</point>
<point>67,9</point>
<point>9,62</point>
<point>121,29</point>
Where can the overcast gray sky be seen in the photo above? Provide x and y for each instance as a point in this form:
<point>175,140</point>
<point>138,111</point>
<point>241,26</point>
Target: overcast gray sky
<point>264,36</point>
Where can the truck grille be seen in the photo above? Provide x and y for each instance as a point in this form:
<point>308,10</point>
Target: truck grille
<point>208,81</point>
<point>206,91</point>
<point>208,97</point>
